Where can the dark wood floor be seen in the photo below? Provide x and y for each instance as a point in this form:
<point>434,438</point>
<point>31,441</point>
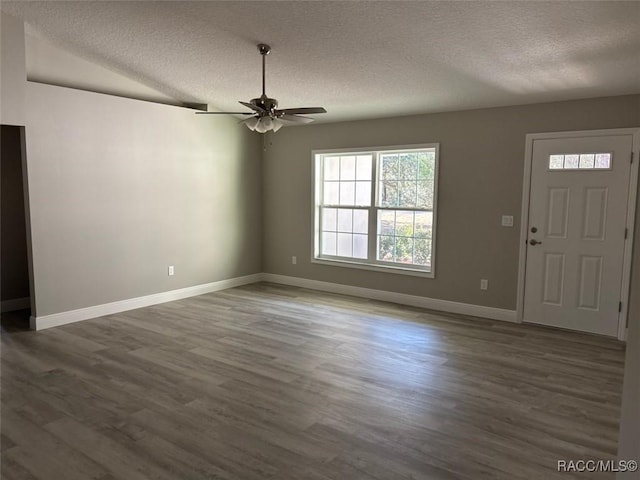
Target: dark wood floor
<point>272,382</point>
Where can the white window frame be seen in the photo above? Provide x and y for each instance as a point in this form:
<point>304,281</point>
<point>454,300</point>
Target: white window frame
<point>370,264</point>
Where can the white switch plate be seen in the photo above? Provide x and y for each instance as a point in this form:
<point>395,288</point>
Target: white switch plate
<point>294,260</point>
<point>507,220</point>
<point>171,270</point>
<point>484,284</point>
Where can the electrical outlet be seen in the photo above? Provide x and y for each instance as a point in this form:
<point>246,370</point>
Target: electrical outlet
<point>294,260</point>
<point>171,270</point>
<point>484,284</point>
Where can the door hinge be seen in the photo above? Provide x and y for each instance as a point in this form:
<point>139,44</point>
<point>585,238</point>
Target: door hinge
<point>631,157</point>
<point>619,307</point>
<point>626,233</point>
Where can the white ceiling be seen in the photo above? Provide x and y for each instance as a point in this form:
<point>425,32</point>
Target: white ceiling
<point>359,59</point>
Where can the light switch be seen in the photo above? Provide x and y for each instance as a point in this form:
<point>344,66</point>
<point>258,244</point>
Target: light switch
<point>507,220</point>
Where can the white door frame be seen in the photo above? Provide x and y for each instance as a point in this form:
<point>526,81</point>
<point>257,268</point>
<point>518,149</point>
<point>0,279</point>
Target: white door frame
<point>630,221</point>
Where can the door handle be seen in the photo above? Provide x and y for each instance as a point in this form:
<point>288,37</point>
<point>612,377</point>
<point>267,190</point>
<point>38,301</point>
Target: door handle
<point>533,242</point>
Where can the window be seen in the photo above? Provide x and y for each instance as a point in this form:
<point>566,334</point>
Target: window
<point>580,161</point>
<point>375,208</point>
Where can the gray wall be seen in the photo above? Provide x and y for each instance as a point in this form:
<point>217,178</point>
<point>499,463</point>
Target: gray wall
<point>481,172</point>
<point>13,72</point>
<point>14,271</point>
<point>120,189</point>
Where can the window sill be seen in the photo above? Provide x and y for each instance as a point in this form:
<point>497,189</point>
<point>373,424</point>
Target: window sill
<point>376,268</point>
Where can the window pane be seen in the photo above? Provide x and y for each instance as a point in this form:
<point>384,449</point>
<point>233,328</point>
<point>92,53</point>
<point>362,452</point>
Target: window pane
<point>345,248</point>
<point>385,248</point>
<point>345,220</point>
<point>329,218</point>
<point>360,221</point>
<point>388,193</point>
<point>389,167</point>
<point>603,160</point>
<point>404,250</point>
<point>360,246</point>
<point>587,160</point>
<point>556,162</point>
<point>330,196</point>
<point>363,193</point>
<point>404,223</point>
<point>332,168</point>
<point>408,166</point>
<point>422,251</point>
<point>407,194</point>
<point>425,194</point>
<point>571,161</point>
<point>582,161</point>
<point>386,222</point>
<point>347,168</point>
<point>347,193</point>
<point>363,170</point>
<point>426,164</point>
<point>423,221</point>
<point>328,243</point>
<point>405,237</point>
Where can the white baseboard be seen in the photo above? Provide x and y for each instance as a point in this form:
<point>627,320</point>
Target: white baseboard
<point>62,318</point>
<point>71,316</point>
<point>401,298</point>
<point>15,304</point>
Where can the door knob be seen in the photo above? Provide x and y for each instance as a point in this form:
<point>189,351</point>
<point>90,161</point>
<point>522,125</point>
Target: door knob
<point>534,242</point>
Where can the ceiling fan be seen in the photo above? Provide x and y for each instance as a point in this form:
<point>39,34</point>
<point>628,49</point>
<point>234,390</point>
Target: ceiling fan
<point>266,115</point>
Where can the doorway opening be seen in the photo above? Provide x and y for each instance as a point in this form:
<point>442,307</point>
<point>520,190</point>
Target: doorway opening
<point>15,283</point>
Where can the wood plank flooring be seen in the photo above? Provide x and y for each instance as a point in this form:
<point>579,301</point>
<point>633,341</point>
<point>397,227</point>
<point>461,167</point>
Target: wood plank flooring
<point>271,382</point>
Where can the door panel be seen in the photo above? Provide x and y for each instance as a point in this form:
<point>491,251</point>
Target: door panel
<point>590,282</point>
<point>557,216</point>
<point>553,279</point>
<point>595,213</point>
<point>577,217</point>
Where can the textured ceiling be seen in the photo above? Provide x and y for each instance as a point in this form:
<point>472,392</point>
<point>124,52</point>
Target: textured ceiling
<point>358,59</point>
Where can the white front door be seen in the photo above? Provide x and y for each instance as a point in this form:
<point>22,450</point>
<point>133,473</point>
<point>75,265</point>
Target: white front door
<point>576,232</point>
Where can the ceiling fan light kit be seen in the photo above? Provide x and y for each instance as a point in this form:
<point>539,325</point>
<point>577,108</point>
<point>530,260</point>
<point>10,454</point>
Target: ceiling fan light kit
<point>263,124</point>
<point>266,116</point>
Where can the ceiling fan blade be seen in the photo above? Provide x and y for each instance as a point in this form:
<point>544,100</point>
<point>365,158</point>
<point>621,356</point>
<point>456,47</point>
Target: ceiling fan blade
<point>225,113</point>
<point>253,107</point>
<point>295,118</point>
<point>304,110</point>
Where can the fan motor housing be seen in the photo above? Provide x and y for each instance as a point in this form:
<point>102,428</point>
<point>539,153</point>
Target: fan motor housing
<point>266,103</point>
